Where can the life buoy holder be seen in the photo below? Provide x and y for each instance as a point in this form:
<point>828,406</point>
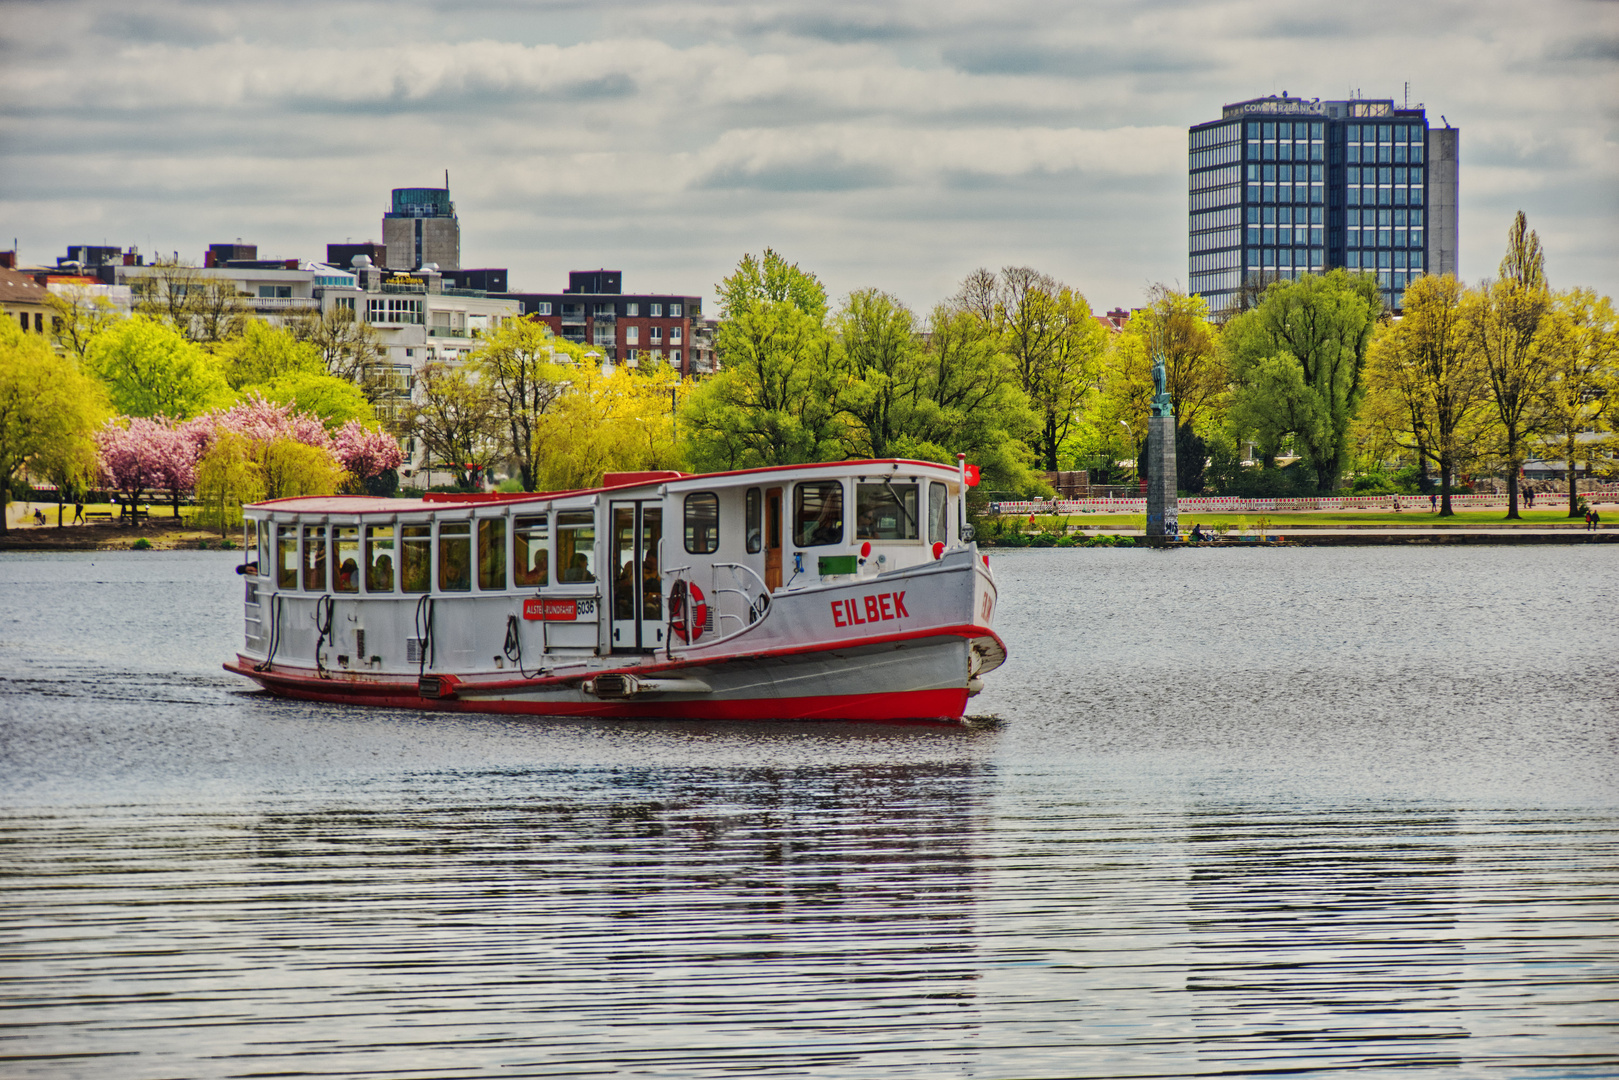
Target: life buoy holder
<point>677,610</point>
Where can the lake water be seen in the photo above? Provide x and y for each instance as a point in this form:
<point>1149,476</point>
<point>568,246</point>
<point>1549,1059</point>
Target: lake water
<point>1316,810</point>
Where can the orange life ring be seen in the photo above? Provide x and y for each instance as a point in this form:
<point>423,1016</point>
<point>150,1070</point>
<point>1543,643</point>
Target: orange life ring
<point>677,611</point>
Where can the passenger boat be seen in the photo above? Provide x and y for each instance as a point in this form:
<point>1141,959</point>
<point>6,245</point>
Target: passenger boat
<point>845,591</point>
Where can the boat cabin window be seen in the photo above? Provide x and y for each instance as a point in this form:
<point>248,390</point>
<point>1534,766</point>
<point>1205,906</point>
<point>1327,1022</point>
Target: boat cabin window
<point>818,513</point>
<point>260,532</point>
<point>886,512</point>
<point>415,557</point>
<point>454,556</point>
<point>938,514</point>
<point>754,520</point>
<point>346,556</point>
<point>491,554</point>
<point>533,536</point>
<point>702,523</point>
<point>379,558</point>
<point>314,558</point>
<point>576,546</point>
<point>286,558</point>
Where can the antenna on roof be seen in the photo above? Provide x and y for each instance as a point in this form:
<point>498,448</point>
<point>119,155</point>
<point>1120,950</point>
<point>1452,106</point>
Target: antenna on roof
<point>446,179</point>
<point>1407,104</point>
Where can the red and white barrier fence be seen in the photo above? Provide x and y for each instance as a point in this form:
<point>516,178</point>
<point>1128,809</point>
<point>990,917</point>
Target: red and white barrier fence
<point>1219,504</point>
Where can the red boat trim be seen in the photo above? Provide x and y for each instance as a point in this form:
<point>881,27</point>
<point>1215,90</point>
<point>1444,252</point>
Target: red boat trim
<point>947,704</point>
<point>471,687</point>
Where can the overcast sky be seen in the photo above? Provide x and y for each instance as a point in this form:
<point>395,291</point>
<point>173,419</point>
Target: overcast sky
<point>890,143</point>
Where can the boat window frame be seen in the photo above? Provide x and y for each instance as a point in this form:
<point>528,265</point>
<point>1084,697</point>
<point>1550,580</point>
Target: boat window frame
<point>943,491</point>
<point>483,524</point>
<point>463,527</point>
<point>557,529</point>
<point>416,541</point>
<point>806,540</point>
<point>321,536</point>
<point>544,517</point>
<point>906,517</point>
<point>285,531</point>
<point>753,517</point>
<point>334,529</point>
<point>690,534</point>
<point>369,560</point>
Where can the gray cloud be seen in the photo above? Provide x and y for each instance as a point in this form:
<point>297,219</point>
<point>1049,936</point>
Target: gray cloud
<point>898,144</point>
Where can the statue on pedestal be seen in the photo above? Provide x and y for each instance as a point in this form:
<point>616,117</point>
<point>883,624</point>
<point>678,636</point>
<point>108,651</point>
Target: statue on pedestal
<point>1160,400</point>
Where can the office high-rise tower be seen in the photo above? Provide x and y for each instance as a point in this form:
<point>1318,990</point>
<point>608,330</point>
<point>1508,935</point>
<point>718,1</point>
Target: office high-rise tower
<point>422,228</point>
<point>1284,186</point>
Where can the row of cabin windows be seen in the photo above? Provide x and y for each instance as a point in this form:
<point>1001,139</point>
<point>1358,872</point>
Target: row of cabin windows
<point>401,558</point>
<point>882,512</point>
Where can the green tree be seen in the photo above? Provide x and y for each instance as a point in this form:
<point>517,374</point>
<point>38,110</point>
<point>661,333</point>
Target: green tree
<point>334,400</point>
<point>263,353</point>
<point>1195,375</point>
<point>928,397</point>
<point>49,411</point>
<point>519,365</point>
<point>882,370</point>
<point>1582,393</point>
<point>1055,344</point>
<point>773,402</point>
<point>1428,368</point>
<point>1505,319</point>
<point>968,400</point>
<point>1296,361</point>
<point>150,369</point>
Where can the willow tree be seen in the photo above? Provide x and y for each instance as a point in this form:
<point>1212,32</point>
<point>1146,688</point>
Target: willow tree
<point>49,411</point>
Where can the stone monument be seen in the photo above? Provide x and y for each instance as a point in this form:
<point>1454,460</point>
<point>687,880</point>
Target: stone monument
<point>1163,514</point>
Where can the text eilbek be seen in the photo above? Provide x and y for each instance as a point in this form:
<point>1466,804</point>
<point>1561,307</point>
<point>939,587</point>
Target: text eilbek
<point>869,609</point>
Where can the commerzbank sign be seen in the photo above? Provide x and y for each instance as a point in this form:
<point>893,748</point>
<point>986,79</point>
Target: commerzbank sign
<point>1276,107</point>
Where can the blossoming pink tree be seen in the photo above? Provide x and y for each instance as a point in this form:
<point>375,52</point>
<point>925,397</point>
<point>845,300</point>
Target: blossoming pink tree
<point>140,455</point>
<point>366,453</point>
<point>290,452</point>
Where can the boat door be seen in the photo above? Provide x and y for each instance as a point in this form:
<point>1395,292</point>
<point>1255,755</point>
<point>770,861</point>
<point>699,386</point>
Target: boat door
<point>773,539</point>
<point>637,588</point>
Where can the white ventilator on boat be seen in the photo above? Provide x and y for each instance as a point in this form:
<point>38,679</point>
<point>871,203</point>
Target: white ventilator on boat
<point>829,591</point>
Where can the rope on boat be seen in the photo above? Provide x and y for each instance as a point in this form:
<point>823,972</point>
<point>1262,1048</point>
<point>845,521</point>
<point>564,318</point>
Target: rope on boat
<point>323,631</point>
<point>514,648</point>
<point>275,632</point>
<point>424,633</point>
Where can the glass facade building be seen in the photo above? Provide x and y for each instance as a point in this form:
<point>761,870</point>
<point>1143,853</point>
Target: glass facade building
<point>1281,187</point>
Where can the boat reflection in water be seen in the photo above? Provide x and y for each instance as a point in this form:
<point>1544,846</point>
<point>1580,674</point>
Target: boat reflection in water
<point>648,918</point>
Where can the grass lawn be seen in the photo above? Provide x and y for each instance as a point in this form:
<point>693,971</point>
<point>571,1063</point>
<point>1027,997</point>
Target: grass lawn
<point>1281,521</point>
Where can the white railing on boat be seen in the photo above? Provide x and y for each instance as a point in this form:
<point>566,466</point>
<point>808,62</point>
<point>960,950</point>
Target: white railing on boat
<point>755,603</point>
